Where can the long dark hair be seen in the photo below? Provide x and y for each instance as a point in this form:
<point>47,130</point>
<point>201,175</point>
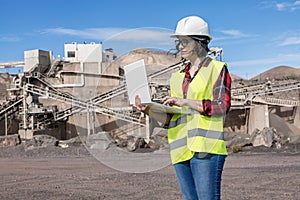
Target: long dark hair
<point>201,47</point>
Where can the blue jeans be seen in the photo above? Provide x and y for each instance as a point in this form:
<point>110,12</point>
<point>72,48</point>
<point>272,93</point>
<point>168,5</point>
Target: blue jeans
<point>200,177</point>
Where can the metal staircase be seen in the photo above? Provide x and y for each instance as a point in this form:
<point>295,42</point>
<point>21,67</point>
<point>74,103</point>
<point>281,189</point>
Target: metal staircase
<point>255,93</point>
<point>88,105</point>
<point>240,94</point>
<point>105,97</point>
<point>280,102</point>
<point>10,108</point>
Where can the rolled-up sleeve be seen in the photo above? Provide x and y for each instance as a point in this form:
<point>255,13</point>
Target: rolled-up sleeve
<point>221,102</point>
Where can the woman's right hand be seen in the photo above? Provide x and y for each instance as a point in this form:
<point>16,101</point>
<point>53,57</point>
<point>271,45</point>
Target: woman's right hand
<point>138,105</point>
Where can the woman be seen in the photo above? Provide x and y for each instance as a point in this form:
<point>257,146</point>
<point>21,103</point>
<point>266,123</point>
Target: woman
<point>197,146</point>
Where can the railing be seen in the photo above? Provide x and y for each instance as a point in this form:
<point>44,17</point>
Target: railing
<point>89,105</point>
<point>78,105</point>
<point>263,89</point>
<point>282,102</point>
<point>106,95</point>
<point>9,108</point>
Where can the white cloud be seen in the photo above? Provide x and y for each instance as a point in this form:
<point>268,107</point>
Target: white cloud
<point>92,33</point>
<point>281,6</point>
<point>232,34</point>
<point>120,39</point>
<point>290,41</point>
<point>153,34</point>
<point>235,33</point>
<point>282,58</point>
<point>288,6</point>
<point>9,39</point>
<point>287,38</point>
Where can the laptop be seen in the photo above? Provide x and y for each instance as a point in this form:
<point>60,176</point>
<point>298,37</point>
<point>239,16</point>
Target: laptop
<point>137,84</point>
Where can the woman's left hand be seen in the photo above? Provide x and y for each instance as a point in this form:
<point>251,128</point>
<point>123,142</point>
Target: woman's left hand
<point>138,105</point>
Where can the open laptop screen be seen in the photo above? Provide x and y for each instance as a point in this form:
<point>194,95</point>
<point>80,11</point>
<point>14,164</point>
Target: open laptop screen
<point>137,82</point>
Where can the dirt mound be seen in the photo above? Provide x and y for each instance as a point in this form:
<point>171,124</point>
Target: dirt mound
<point>235,77</point>
<point>154,60</point>
<point>150,57</point>
<point>280,72</point>
<point>280,125</point>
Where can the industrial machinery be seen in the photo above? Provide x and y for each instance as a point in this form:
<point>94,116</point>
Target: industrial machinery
<point>41,69</point>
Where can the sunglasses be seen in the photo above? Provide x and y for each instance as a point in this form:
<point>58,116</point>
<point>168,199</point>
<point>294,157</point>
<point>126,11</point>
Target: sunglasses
<point>183,42</point>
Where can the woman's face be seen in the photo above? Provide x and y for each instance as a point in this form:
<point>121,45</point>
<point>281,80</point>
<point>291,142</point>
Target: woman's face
<point>186,46</point>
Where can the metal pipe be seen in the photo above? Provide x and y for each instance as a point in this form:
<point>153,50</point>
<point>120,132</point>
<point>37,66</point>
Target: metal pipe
<point>5,123</point>
<point>24,113</point>
<point>88,121</point>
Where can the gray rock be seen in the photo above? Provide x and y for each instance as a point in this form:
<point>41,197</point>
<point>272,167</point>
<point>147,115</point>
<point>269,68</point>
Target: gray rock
<point>267,137</point>
<point>134,143</point>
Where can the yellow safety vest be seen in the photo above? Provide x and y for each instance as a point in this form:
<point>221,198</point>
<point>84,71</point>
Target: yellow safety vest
<point>188,134</point>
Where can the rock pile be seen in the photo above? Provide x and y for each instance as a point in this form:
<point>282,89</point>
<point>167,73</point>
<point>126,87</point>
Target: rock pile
<point>137,144</point>
<point>131,143</point>
<point>268,137</point>
<point>10,140</point>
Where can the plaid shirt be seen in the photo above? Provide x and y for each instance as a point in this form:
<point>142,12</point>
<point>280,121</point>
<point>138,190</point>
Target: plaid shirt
<point>221,91</point>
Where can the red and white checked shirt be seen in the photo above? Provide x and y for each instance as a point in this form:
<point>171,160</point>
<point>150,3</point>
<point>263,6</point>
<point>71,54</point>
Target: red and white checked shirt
<point>221,102</point>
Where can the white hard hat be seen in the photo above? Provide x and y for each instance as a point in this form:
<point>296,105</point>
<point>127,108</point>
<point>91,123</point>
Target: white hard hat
<point>192,26</point>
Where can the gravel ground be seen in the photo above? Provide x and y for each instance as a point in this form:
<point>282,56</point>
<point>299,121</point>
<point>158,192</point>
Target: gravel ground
<point>72,173</point>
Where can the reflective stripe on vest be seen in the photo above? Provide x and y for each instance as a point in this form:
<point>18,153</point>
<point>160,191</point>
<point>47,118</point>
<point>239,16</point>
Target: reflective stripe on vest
<point>196,133</point>
<point>206,133</point>
<point>178,143</point>
<point>181,120</point>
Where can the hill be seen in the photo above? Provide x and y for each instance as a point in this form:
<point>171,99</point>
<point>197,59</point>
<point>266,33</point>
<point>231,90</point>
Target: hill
<point>155,60</point>
<point>235,77</point>
<point>280,72</point>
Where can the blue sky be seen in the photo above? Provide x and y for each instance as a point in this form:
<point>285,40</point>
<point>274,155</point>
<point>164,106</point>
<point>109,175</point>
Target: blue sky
<point>256,35</point>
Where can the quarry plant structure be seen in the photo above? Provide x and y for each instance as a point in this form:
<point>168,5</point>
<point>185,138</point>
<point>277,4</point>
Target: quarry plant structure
<point>84,95</point>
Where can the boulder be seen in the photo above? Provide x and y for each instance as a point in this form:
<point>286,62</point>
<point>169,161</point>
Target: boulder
<point>40,141</point>
<point>267,137</point>
<point>134,143</point>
